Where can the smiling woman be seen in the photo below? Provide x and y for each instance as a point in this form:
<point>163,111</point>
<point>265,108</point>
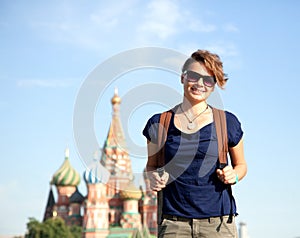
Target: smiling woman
<point>194,185</point>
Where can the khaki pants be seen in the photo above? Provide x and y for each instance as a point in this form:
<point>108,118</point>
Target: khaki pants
<point>214,227</point>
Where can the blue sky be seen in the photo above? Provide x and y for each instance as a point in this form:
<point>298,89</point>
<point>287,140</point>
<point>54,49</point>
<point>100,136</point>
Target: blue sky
<point>48,49</point>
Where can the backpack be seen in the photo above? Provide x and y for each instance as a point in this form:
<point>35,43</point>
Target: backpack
<point>157,161</point>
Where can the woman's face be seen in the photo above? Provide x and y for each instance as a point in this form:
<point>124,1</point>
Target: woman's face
<point>197,91</point>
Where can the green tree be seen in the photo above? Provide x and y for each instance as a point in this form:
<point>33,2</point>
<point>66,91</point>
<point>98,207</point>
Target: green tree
<point>34,228</point>
<point>56,228</point>
<point>76,231</point>
<point>51,228</point>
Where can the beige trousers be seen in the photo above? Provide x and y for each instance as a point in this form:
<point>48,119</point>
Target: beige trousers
<point>214,227</point>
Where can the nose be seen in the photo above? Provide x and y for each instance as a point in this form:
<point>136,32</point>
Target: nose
<point>200,82</point>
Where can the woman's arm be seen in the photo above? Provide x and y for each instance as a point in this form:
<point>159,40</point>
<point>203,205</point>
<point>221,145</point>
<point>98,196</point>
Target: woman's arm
<point>238,169</point>
<point>238,159</point>
<point>157,182</point>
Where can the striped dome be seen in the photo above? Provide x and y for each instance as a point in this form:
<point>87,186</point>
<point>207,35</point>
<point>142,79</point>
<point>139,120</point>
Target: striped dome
<point>66,175</point>
<point>96,173</point>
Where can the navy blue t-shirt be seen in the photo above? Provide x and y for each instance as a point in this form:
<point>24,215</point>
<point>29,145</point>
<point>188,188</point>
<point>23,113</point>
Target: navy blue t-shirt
<point>193,189</point>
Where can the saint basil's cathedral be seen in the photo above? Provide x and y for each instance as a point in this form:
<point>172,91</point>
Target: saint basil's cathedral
<point>113,206</point>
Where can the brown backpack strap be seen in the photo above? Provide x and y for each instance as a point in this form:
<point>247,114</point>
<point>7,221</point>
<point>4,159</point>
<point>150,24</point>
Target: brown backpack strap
<point>221,130</point>
<point>164,123</point>
<point>156,150</point>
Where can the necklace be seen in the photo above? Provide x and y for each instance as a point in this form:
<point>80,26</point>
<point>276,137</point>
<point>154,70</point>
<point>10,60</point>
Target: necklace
<point>191,125</point>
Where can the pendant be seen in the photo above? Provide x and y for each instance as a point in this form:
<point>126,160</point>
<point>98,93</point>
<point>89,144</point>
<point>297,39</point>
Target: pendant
<point>191,126</point>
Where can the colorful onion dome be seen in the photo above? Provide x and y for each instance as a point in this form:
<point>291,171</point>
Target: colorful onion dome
<point>96,173</point>
<point>131,192</point>
<point>66,175</point>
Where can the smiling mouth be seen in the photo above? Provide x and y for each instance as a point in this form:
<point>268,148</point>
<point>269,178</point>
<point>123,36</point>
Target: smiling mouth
<point>197,90</point>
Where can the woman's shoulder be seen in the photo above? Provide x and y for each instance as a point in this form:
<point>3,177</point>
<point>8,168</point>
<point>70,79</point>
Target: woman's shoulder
<point>234,129</point>
<point>231,118</point>
<point>155,118</point>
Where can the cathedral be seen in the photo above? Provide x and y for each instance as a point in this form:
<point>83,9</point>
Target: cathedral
<point>113,206</point>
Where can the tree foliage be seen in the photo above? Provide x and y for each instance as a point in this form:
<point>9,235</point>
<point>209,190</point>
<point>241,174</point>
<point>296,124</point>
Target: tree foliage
<point>51,228</point>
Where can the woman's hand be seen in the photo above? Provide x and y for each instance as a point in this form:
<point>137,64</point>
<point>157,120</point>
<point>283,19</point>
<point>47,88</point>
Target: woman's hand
<point>157,182</point>
<point>227,175</point>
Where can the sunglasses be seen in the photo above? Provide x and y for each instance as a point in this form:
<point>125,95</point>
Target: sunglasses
<point>194,77</point>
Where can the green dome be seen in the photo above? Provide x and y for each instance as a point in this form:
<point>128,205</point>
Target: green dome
<point>66,175</point>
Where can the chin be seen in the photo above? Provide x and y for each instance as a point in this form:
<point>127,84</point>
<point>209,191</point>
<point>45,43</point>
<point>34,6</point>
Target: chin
<point>196,99</point>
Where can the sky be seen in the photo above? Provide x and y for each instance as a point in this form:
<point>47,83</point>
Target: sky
<point>48,49</point>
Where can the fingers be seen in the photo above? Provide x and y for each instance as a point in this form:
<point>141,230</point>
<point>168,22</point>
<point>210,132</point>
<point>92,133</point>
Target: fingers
<point>165,177</point>
<point>227,175</point>
<point>158,182</point>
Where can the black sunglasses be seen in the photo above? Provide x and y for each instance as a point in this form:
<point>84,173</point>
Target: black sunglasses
<point>194,77</point>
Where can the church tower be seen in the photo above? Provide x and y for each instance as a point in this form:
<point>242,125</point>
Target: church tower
<point>148,207</point>
<point>116,160</point>
<point>66,180</point>
<point>113,206</point>
<point>96,209</point>
<point>131,218</point>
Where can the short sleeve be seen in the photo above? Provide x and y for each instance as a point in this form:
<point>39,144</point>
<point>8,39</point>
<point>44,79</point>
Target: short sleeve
<point>234,129</point>
<point>151,128</point>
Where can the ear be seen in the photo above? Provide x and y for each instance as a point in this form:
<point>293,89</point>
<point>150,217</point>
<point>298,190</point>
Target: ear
<point>182,78</point>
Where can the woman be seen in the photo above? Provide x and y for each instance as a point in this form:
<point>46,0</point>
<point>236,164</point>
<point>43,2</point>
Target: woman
<point>196,198</point>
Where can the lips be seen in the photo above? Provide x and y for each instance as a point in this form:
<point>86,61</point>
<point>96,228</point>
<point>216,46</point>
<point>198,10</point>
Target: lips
<point>197,90</point>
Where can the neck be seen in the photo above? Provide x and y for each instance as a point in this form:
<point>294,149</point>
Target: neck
<point>194,107</point>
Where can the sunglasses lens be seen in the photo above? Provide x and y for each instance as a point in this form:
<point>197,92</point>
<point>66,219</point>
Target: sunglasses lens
<point>194,77</point>
<point>208,81</point>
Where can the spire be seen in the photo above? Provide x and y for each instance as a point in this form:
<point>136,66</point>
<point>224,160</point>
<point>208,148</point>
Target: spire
<point>115,137</point>
<point>50,204</point>
<point>67,153</point>
<point>116,99</point>
<point>115,155</point>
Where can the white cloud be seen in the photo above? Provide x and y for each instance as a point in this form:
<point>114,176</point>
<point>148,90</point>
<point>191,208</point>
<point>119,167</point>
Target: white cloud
<point>161,19</point>
<point>229,54</point>
<point>86,26</point>
<point>166,20</point>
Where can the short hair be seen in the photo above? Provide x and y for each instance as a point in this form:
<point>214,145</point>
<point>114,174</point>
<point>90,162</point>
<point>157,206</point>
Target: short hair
<point>212,62</point>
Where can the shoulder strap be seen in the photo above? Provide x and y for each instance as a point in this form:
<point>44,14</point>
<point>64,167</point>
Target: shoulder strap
<point>164,123</point>
<point>221,130</point>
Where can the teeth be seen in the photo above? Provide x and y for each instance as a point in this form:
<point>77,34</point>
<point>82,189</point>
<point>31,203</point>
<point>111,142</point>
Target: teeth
<point>197,89</point>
